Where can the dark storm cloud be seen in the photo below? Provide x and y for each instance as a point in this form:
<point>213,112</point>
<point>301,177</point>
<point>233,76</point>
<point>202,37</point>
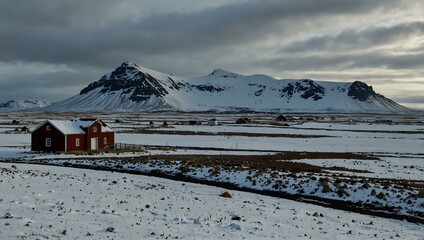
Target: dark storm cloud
<point>348,61</point>
<point>403,61</point>
<point>358,39</point>
<point>53,85</point>
<point>74,33</point>
<point>191,37</point>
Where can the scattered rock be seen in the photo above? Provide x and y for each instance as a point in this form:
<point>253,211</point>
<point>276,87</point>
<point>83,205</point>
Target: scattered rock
<point>234,226</point>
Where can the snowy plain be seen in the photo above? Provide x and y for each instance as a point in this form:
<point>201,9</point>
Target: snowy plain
<point>399,147</point>
<point>45,202</point>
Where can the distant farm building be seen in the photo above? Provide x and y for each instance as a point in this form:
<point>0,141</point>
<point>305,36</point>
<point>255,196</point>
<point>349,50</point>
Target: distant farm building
<point>15,121</point>
<point>194,122</point>
<point>352,122</point>
<point>118,120</point>
<point>213,122</point>
<point>310,118</point>
<point>72,135</point>
<point>383,121</point>
<point>281,118</point>
<point>25,129</point>
<point>243,120</point>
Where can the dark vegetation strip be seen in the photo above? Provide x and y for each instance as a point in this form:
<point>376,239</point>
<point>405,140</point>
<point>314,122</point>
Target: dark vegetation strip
<point>362,208</point>
<point>285,155</point>
<point>239,134</point>
<point>276,162</point>
<point>262,163</point>
<point>172,148</point>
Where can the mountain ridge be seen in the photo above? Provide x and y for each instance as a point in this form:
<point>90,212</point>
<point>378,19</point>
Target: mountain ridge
<point>15,105</point>
<point>131,87</point>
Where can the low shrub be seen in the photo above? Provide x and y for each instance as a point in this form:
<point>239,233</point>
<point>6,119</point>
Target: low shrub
<point>381,195</point>
<point>326,188</point>
<point>226,195</point>
<point>366,185</point>
<point>420,194</point>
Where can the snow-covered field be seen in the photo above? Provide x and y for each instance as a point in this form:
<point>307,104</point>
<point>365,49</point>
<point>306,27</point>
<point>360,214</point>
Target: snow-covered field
<point>66,198</point>
<point>45,202</point>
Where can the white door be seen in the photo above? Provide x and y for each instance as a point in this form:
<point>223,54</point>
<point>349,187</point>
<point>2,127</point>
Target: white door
<point>94,143</point>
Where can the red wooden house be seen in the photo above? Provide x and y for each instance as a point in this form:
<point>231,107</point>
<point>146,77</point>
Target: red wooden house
<point>72,135</point>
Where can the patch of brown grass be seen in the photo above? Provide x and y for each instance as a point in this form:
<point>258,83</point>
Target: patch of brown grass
<point>260,163</point>
<point>239,134</point>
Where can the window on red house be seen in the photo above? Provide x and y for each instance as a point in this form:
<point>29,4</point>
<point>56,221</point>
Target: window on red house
<point>48,142</point>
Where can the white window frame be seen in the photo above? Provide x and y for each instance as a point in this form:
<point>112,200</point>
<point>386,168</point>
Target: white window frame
<point>48,142</point>
<point>77,142</point>
<point>104,140</point>
<point>94,129</point>
<point>47,128</point>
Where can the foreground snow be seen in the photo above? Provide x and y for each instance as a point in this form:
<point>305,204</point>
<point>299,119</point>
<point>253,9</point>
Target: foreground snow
<point>40,202</point>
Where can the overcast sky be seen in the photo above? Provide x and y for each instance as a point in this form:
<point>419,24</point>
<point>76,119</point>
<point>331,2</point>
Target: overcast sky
<point>51,49</point>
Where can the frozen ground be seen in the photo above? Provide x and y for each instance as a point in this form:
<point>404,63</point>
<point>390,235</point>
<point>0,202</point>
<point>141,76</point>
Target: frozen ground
<point>402,198</point>
<point>388,167</point>
<point>399,146</point>
<point>45,202</point>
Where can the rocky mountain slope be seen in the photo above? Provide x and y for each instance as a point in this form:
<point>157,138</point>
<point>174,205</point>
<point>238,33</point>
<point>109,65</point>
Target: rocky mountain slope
<point>134,88</point>
<point>14,105</point>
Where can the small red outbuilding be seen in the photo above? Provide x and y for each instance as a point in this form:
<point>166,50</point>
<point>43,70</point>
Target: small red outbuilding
<point>72,135</point>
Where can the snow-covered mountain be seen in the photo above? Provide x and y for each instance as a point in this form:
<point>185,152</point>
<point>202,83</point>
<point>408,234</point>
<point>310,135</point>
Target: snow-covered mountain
<point>134,88</point>
<point>14,105</point>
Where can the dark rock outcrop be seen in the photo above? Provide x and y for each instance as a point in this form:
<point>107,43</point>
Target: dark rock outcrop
<point>360,91</point>
<point>307,88</point>
<point>129,79</point>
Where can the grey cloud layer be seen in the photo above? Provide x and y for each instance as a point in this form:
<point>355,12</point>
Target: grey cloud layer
<point>66,33</point>
<point>353,39</point>
<point>376,59</point>
<point>191,37</point>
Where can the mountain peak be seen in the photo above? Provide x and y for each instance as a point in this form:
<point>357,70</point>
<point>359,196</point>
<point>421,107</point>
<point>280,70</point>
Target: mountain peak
<point>15,105</point>
<point>222,73</point>
<point>129,64</point>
